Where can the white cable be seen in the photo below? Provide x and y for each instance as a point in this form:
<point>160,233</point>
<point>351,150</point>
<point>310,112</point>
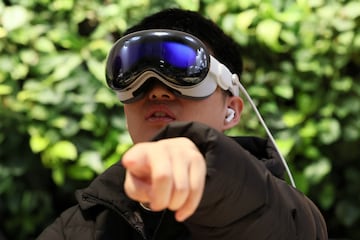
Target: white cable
<point>242,89</point>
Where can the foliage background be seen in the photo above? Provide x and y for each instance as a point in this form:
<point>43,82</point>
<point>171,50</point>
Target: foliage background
<point>60,126</point>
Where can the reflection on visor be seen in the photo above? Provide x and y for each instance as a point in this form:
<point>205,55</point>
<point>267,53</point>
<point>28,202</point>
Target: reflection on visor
<point>176,54</point>
<point>179,55</point>
<point>180,59</point>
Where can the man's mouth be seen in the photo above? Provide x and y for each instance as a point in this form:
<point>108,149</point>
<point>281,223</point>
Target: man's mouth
<point>161,114</point>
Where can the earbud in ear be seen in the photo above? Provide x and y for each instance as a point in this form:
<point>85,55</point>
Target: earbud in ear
<point>230,114</point>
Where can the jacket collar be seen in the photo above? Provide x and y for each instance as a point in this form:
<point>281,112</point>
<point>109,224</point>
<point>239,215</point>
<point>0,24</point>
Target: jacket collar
<point>265,151</point>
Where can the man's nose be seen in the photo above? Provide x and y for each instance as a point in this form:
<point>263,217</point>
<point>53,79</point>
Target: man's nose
<point>159,91</point>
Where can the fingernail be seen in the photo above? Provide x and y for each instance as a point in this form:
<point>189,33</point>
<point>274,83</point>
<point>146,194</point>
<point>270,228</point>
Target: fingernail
<point>180,217</point>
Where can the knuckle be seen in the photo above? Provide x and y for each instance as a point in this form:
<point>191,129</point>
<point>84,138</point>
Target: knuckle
<point>182,192</point>
<point>162,177</point>
<point>175,205</point>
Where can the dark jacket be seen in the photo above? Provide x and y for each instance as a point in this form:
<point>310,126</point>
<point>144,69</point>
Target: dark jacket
<point>245,198</point>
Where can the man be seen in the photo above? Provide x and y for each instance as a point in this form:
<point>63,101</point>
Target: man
<point>177,75</point>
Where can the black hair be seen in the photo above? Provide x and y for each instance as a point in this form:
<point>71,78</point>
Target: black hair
<point>224,48</point>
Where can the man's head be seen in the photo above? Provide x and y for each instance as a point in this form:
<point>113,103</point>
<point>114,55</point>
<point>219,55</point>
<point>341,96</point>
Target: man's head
<point>176,66</point>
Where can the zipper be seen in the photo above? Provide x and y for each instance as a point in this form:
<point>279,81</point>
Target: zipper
<point>159,224</point>
<point>134,221</point>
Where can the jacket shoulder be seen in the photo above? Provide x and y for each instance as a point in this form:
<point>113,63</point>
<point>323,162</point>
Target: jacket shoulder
<point>94,223</point>
<point>57,229</point>
<point>73,223</point>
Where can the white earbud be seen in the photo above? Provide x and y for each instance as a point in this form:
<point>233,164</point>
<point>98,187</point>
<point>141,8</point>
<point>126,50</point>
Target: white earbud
<point>230,114</point>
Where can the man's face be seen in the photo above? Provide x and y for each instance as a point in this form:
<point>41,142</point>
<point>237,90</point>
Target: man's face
<point>160,106</point>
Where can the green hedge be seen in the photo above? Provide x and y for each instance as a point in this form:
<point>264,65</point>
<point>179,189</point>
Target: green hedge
<point>60,125</point>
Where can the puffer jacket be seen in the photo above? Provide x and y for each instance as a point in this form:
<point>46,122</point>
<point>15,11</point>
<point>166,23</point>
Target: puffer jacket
<point>245,197</point>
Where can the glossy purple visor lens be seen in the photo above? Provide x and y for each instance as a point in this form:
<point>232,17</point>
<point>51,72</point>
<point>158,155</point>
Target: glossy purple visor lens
<point>179,58</point>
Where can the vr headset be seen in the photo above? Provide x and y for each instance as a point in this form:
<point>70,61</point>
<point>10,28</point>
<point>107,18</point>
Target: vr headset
<point>177,59</point>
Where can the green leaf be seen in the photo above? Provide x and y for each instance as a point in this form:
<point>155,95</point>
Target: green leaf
<point>69,63</point>
<point>59,5</point>
<point>92,160</point>
<point>346,38</point>
<point>80,172</point>
<point>309,130</point>
<point>284,91</point>
<point>245,19</point>
<point>351,10</point>
<point>48,96</point>
<point>106,97</point>
<point>293,118</point>
<point>44,44</point>
<point>58,175</point>
<point>63,150</point>
<point>258,91</point>
<point>38,143</point>
<point>189,4</point>
<point>307,104</point>
<point>312,152</point>
<point>215,10</point>
<point>351,133</point>
<point>21,71</point>
<point>67,125</point>
<point>289,37</point>
<point>29,56</point>
<point>39,112</point>
<point>96,68</point>
<point>14,17</point>
<point>48,63</point>
<point>5,89</point>
<point>342,84</point>
<point>285,145</point>
<point>329,130</point>
<point>316,171</point>
<point>268,31</point>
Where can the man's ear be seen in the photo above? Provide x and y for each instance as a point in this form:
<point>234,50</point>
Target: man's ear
<point>233,112</point>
